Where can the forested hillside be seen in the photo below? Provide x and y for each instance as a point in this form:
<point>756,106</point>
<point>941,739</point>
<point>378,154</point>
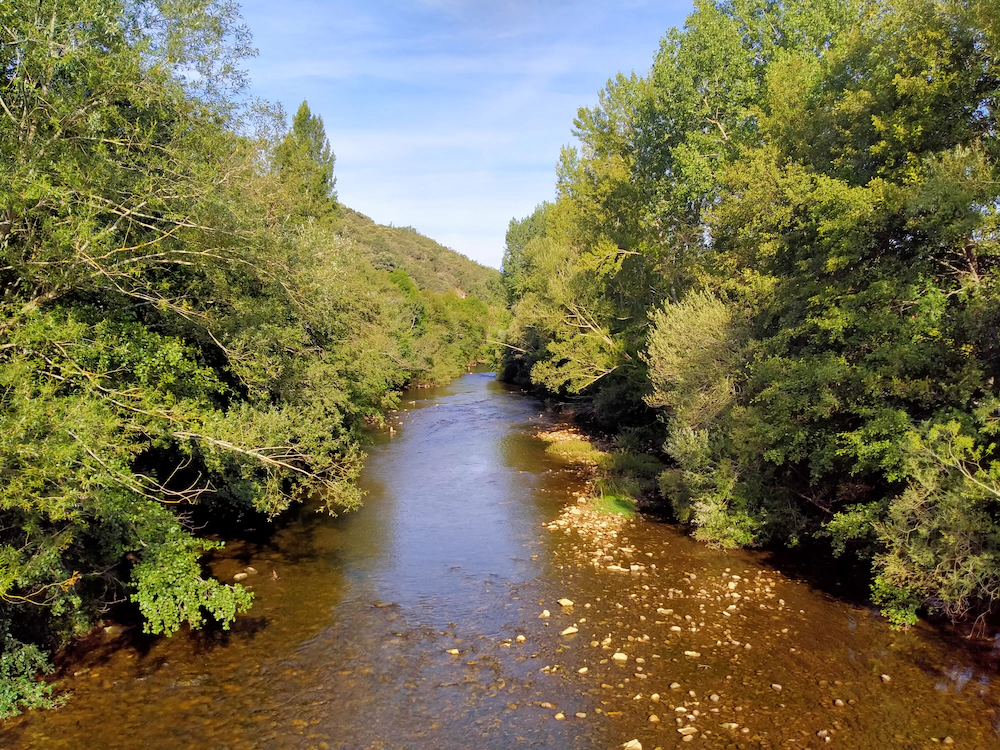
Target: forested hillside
<point>183,328</point>
<point>432,266</point>
<point>776,254</point>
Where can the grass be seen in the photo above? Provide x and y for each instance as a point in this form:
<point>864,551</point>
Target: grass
<point>575,450</point>
<point>614,505</point>
<point>622,476</point>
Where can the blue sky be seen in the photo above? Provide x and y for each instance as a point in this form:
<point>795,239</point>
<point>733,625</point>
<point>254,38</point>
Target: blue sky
<point>448,115</point>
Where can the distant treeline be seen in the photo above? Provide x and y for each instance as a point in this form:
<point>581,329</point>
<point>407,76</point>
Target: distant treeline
<point>188,320</point>
<point>776,256</point>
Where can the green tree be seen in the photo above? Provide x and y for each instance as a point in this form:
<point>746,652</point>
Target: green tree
<point>305,159</point>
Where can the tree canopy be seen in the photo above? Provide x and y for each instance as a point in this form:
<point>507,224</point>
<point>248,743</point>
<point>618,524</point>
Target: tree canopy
<point>184,335</point>
<point>778,250</point>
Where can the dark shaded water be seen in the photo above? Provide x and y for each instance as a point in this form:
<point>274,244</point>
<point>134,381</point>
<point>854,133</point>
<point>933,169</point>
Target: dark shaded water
<point>347,644</point>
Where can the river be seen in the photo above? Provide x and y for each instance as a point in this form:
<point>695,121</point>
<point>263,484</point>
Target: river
<point>460,546</point>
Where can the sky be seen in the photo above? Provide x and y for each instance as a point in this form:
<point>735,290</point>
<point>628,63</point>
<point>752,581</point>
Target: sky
<point>449,115</point>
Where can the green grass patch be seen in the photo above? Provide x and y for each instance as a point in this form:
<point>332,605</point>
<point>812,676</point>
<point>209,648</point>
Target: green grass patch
<point>575,450</point>
<point>618,505</point>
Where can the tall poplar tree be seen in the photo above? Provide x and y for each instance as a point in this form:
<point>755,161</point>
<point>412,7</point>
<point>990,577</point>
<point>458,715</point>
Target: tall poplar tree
<point>305,159</point>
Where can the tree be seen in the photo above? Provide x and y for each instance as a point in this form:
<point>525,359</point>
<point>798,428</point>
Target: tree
<point>304,159</point>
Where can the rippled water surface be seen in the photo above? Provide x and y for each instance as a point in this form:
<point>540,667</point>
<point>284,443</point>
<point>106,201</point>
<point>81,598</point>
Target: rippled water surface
<point>459,546</point>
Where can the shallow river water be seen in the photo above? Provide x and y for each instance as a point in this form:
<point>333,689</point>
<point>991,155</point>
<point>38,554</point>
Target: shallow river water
<point>460,546</point>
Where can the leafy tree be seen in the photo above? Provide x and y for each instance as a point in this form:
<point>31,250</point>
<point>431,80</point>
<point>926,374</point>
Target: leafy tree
<point>305,159</point>
<point>784,239</point>
<point>183,334</point>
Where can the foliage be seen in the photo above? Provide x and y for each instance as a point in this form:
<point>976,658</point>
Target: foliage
<point>19,663</point>
<point>432,267</point>
<point>184,336</point>
<point>784,240</point>
<point>304,157</point>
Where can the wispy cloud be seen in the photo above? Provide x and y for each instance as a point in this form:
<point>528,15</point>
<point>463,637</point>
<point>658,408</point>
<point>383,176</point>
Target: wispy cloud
<point>448,115</point>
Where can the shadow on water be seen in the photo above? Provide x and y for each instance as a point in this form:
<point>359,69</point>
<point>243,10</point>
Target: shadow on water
<point>415,623</point>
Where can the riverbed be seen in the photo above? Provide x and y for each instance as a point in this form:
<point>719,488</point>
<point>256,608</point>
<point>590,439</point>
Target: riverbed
<point>419,622</point>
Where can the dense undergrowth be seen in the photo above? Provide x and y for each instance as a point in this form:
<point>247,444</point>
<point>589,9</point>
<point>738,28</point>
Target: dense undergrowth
<point>776,253</point>
<point>183,324</point>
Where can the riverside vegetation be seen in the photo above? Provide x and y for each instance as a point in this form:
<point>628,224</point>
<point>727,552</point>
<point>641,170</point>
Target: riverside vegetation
<point>776,256</point>
<point>192,327</point>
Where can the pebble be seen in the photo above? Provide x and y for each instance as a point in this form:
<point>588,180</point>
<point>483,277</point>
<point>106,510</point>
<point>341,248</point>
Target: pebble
<point>565,602</point>
<point>570,630</point>
<point>545,613</point>
<point>559,716</point>
<point>453,651</point>
<point>714,698</point>
<point>582,670</point>
<point>619,657</point>
<point>654,719</point>
<point>520,639</point>
<point>886,678</point>
<point>240,576</point>
<point>580,715</point>
<point>546,705</point>
<point>776,686</point>
<point>632,745</point>
<point>655,697</point>
<point>688,731</point>
<point>692,654</point>
<point>675,685</point>
<point>252,571</point>
<point>838,703</point>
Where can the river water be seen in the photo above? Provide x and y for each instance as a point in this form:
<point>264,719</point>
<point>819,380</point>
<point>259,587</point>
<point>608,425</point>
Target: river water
<point>462,543</point>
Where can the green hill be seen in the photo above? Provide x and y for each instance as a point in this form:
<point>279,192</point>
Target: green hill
<point>431,265</point>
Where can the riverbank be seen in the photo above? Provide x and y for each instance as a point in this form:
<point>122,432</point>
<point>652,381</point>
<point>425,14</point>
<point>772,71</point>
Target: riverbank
<point>459,548</point>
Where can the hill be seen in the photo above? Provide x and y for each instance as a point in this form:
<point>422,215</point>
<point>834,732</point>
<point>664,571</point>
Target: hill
<point>431,265</point>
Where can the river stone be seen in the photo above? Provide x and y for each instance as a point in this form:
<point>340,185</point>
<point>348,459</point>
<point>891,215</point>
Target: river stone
<point>559,716</point>
<point>688,731</point>
<point>240,577</point>
<point>620,657</point>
